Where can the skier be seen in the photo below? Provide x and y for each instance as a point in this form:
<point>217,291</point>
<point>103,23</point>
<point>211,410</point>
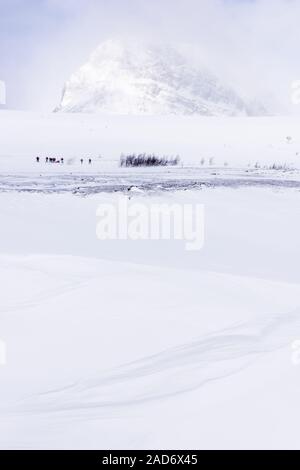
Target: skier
<point>81,161</point>
<point>38,159</point>
<point>90,161</point>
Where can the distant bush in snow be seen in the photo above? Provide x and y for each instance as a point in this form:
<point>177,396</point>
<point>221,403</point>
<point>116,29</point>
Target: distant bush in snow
<point>144,159</point>
<point>280,167</point>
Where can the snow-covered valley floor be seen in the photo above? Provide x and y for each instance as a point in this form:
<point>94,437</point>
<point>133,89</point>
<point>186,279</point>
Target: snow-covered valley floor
<point>141,344</point>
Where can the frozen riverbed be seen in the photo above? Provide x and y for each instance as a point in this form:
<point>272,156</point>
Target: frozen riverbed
<point>147,180</point>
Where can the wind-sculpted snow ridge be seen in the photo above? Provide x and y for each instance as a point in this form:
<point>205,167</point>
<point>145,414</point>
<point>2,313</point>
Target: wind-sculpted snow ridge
<point>147,181</point>
<point>130,78</point>
<point>176,370</point>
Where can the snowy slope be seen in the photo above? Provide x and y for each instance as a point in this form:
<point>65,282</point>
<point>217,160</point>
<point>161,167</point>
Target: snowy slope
<point>96,360</point>
<point>128,78</point>
<point>137,344</point>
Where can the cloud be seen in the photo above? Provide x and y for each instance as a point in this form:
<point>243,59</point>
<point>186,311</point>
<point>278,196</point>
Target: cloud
<point>252,44</point>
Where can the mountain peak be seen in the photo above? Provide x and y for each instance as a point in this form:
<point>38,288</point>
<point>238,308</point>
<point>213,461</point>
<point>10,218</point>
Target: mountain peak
<point>129,77</point>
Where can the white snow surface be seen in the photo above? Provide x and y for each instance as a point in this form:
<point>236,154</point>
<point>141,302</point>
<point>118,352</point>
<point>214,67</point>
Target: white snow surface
<point>142,344</point>
<point>236,141</point>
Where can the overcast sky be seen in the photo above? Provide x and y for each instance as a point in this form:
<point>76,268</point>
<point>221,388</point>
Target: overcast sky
<point>252,44</point>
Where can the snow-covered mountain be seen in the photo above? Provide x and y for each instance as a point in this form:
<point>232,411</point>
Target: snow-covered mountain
<point>129,78</point>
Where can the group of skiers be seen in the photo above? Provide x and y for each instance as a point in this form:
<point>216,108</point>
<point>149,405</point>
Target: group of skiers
<point>60,160</point>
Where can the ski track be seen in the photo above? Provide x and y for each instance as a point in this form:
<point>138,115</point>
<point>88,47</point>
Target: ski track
<point>175,371</point>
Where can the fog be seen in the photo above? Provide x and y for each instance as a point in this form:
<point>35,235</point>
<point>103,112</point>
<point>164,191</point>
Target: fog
<point>250,44</point>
